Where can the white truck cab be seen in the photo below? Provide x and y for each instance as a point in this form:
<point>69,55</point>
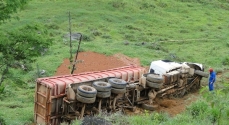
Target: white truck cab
<point>162,67</point>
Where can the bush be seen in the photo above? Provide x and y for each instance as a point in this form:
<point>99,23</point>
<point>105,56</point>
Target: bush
<point>198,108</point>
<point>86,38</point>
<point>214,114</point>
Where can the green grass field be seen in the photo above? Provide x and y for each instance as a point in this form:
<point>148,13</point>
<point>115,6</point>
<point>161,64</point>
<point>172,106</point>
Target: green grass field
<point>179,30</point>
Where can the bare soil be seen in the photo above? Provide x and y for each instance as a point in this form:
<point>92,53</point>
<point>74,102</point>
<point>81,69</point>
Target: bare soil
<point>91,61</point>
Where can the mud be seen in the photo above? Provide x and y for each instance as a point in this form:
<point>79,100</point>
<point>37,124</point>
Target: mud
<point>91,61</point>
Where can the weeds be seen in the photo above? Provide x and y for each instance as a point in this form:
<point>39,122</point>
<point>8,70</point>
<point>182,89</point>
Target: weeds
<point>159,20</point>
<point>86,37</point>
<point>159,118</point>
<point>198,109</point>
<point>225,61</point>
<point>2,121</point>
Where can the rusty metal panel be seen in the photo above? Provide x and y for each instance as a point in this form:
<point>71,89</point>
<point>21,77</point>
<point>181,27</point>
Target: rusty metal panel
<point>40,104</point>
<point>50,91</point>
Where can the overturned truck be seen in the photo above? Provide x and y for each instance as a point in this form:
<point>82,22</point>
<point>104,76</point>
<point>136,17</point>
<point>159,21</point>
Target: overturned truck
<point>69,97</point>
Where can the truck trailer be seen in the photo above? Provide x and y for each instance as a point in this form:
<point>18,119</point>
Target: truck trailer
<point>69,97</point>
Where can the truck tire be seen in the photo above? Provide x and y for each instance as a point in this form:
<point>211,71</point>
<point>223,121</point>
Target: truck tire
<point>118,91</point>
<point>117,83</point>
<point>101,86</point>
<point>201,73</point>
<point>86,91</point>
<point>103,94</point>
<point>154,85</point>
<point>85,99</point>
<point>154,78</point>
<point>149,107</point>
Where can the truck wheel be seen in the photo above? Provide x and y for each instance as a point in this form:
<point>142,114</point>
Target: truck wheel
<point>201,73</point>
<point>154,78</point>
<point>149,107</point>
<point>85,99</point>
<point>117,83</point>
<point>118,91</point>
<point>102,86</point>
<point>103,94</point>
<point>86,91</point>
<point>154,85</point>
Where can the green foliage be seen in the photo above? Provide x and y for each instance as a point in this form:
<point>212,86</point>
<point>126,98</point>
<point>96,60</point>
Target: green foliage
<point>158,118</point>
<point>118,4</point>
<point>25,43</point>
<point>2,122</point>
<point>225,61</point>
<point>214,114</point>
<point>227,44</point>
<point>218,109</point>
<point>86,37</point>
<point>190,30</point>
<point>18,48</point>
<point>198,108</point>
<point>144,119</point>
<point>2,87</point>
<point>113,118</point>
<point>8,7</point>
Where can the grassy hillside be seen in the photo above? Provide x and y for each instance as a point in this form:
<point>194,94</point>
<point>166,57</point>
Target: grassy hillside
<point>179,30</point>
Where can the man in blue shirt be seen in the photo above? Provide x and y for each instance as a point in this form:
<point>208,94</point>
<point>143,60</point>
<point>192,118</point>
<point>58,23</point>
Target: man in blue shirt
<point>211,79</point>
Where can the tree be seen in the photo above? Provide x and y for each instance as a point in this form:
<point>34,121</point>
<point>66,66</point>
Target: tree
<point>8,7</point>
<point>22,46</point>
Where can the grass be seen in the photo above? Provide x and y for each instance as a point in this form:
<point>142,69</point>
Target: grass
<point>193,31</point>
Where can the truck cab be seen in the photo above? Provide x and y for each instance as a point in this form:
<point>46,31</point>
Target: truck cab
<point>162,67</point>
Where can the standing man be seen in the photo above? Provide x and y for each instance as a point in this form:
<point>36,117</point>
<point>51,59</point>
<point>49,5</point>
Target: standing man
<point>211,79</point>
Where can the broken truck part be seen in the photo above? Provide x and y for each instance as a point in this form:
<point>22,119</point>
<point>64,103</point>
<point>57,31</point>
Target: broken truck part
<point>69,97</point>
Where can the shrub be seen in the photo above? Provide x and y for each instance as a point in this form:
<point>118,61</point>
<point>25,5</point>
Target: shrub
<point>86,37</point>
<point>198,108</point>
<point>214,114</point>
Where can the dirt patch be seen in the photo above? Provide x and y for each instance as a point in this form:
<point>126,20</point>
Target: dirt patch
<point>176,105</point>
<point>91,61</point>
